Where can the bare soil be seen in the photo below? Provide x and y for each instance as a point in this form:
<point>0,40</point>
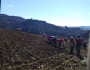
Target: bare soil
<point>25,51</point>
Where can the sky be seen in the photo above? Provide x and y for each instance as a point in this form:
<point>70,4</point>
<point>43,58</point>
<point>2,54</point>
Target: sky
<point>57,12</point>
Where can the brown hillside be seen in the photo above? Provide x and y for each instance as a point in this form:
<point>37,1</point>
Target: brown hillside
<point>25,51</point>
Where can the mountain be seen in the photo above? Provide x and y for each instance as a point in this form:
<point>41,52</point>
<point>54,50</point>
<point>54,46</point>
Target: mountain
<point>10,22</point>
<point>25,51</point>
<point>4,16</point>
<point>36,26</point>
<point>85,27</point>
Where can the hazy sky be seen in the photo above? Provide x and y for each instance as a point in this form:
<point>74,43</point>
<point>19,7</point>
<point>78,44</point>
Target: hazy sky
<point>58,12</point>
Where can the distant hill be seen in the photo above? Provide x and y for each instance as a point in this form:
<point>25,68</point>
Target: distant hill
<point>36,26</point>
<point>10,22</point>
<point>4,16</point>
<point>84,27</point>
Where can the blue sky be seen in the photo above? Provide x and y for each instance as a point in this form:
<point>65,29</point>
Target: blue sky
<point>58,12</point>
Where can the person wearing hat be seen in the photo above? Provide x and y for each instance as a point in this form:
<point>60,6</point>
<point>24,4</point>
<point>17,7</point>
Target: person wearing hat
<point>78,44</point>
<point>72,44</point>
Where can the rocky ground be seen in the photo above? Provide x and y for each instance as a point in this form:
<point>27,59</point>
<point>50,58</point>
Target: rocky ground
<point>25,51</point>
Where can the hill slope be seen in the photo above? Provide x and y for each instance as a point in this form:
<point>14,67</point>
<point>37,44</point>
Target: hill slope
<point>10,22</point>
<point>25,51</point>
<point>4,16</point>
<point>85,27</point>
<point>36,26</point>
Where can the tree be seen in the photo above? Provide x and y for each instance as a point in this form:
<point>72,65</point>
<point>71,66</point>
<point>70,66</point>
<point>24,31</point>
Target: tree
<point>66,27</point>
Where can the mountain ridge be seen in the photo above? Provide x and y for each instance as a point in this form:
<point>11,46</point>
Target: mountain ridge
<point>11,17</point>
<point>84,27</point>
<point>36,26</point>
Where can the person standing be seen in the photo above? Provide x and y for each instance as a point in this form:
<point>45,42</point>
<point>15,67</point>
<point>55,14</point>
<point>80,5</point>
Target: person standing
<point>39,33</point>
<point>85,43</point>
<point>43,35</point>
<point>55,41</point>
<point>72,44</point>
<point>78,44</point>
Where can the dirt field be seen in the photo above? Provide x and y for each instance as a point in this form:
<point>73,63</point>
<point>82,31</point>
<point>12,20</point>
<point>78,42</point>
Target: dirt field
<point>25,51</point>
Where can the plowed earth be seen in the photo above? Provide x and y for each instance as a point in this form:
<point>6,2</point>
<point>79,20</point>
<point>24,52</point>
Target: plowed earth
<point>25,51</point>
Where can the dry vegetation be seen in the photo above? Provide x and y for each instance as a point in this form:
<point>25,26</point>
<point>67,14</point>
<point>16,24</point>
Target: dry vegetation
<point>25,51</point>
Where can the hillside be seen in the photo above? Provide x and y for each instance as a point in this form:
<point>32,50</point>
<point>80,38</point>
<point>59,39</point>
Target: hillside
<point>84,27</point>
<point>36,26</point>
<point>4,16</point>
<point>25,51</point>
<point>10,22</point>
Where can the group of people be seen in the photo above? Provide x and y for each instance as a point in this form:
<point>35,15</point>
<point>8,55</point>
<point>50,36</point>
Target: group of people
<point>57,40</point>
<point>79,43</point>
<point>18,29</point>
<point>61,42</point>
<point>43,34</point>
